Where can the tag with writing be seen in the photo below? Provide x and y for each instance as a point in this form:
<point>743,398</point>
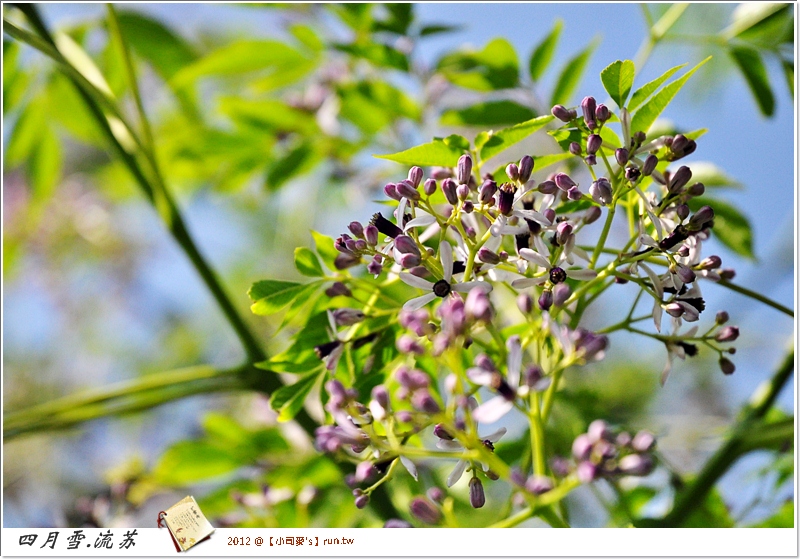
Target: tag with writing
<point>186,523</point>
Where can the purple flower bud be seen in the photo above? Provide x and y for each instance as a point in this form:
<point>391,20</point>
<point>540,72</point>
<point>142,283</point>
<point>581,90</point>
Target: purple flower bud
<point>601,192</point>
<point>639,137</point>
<point>684,273</point>
<point>632,173</point>
<point>602,113</point>
<point>590,159</point>
<point>727,334</point>
<point>488,256</point>
<point>592,214</point>
<point>477,498</point>
<point>408,261</point>
<point>371,235</point>
<point>407,190</point>
<point>397,523</point>
<point>643,441</point>
<point>592,345</point>
<point>623,439</point>
<point>440,431</point>
<point>622,156</point>
<point>679,142</point>
<point>506,198</point>
<point>546,300</point>
<point>727,366</point>
<point>701,217</point>
<point>561,293</point>
<point>525,303</point>
<point>487,191</point>
<point>674,309</point>
<point>575,148</point>
<point>468,207</point>
<point>682,210</point>
<point>589,106</point>
<point>391,191</point>
<point>408,345</point>
<point>563,232</point>
<point>593,143</point>
<point>338,288</point>
<point>525,168</point>
<point>561,113</point>
<point>361,245</point>
<point>727,274</point>
<point>697,189</point>
<point>344,261</point>
<point>679,179</point>
<point>710,263</point>
<point>649,166</point>
<point>406,245</point>
<point>538,485</point>
<point>574,193</point>
<point>356,229</point>
<point>436,495</point>
<point>559,466</point>
<point>362,501</point>
<point>430,187</point>
<point>364,471</point>
<point>550,214</point>
<point>462,191</point>
<point>636,465</point>
<point>464,169</point>
<point>582,447</point>
<point>441,173</point>
<point>449,188</point>
<point>547,187</point>
<point>586,472</point>
<point>381,395</point>
<point>424,511</point>
<point>599,430</point>
<point>424,402</point>
<point>564,182</point>
<point>517,477</point>
<point>375,267</point>
<point>533,374</point>
<point>404,416</point>
<point>347,317</point>
<point>415,176</point>
<point>722,317</point>
<point>512,171</point>
<point>336,390</point>
<point>477,306</point>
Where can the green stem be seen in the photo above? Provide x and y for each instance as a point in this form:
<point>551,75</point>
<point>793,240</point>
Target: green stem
<point>537,436</point>
<point>603,236</point>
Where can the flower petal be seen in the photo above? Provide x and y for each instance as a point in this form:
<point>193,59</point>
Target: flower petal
<point>494,436</point>
<point>444,444</point>
<point>658,310</point>
<point>420,221</point>
<point>419,302</point>
<point>412,469</point>
<point>468,286</point>
<point>541,246</point>
<point>479,376</point>
<point>494,409</point>
<point>415,281</point>
<point>657,287</point>
<point>514,361</point>
<point>532,215</point>
<point>457,472</point>
<point>446,257</point>
<point>522,283</point>
<point>535,257</point>
<point>581,275</point>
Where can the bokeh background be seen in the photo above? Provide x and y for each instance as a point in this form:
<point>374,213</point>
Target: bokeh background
<point>96,291</point>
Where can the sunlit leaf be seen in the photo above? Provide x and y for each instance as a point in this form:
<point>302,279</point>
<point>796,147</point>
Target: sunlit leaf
<point>755,74</point>
<point>270,296</point>
<point>296,161</point>
<point>649,112</point>
<point>435,153</point>
<point>307,262</point>
<point>617,78</point>
<point>571,75</point>
<point>45,163</point>
<point>324,246</point>
<point>543,53</point>
<point>507,137</point>
<point>268,114</point>
<point>287,401</point>
<point>153,41</point>
<point>307,36</point>
<point>640,95</point>
<point>429,30</point>
<point>379,54</point>
<point>490,113</point>
<point>494,67</point>
<point>188,462</point>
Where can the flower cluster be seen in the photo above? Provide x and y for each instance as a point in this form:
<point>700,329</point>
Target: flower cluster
<point>457,238</point>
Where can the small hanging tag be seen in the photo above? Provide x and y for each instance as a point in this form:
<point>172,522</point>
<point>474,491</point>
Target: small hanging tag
<point>186,524</point>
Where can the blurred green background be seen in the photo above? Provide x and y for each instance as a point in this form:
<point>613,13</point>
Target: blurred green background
<point>265,118</point>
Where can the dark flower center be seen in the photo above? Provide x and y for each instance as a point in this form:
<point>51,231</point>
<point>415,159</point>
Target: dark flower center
<point>558,275</point>
<point>441,288</point>
<point>488,444</point>
<point>385,226</point>
<point>506,198</point>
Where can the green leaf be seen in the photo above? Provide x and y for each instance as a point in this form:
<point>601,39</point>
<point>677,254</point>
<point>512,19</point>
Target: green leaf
<point>298,160</point>
<point>649,112</point>
<point>269,114</point>
<point>435,153</point>
<point>731,227</point>
<point>400,17</point>
<point>156,43</point>
<point>270,296</point>
<point>456,141</point>
<point>788,72</point>
<point>307,262</point>
<point>711,513</point>
<point>379,54</point>
<point>617,78</point>
<point>507,137</point>
<point>543,53</point>
<point>749,15</point>
<point>712,176</point>
<point>640,95</point>
<point>25,134</point>
<point>307,37</point>
<point>494,67</point>
<point>610,137</point>
<point>571,75</point>
<point>564,137</point>
<point>45,164</point>
<point>287,401</point>
<point>491,113</point>
<point>784,518</point>
<point>772,30</point>
<point>188,462</point>
<point>373,105</point>
<point>239,57</point>
<point>755,74</point>
<point>429,30</point>
<point>324,246</point>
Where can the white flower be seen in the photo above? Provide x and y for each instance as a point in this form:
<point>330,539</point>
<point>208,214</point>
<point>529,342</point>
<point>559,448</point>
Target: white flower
<point>443,287</point>
<point>508,389</point>
<point>461,465</point>
<point>555,274</point>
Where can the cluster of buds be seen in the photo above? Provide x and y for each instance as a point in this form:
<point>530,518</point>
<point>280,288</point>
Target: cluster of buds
<point>599,453</point>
